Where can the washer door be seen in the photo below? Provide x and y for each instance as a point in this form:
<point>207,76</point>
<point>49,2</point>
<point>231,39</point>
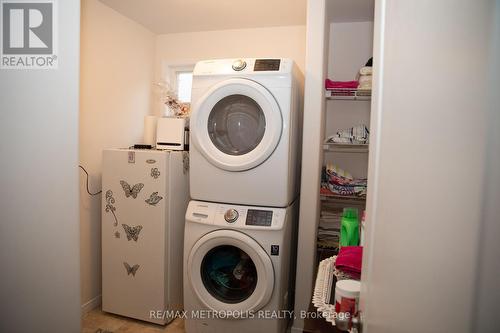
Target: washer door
<point>236,125</point>
<point>229,271</point>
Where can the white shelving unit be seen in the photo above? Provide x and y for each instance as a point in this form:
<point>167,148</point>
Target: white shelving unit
<point>325,112</point>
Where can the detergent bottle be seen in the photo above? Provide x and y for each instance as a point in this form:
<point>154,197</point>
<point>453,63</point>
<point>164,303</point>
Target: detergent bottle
<point>349,227</point>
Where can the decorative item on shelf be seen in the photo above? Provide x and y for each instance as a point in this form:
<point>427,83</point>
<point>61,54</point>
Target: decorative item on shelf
<point>173,107</point>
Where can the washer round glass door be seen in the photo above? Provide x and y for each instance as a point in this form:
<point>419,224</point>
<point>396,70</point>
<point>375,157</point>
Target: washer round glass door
<point>228,270</point>
<point>237,124</point>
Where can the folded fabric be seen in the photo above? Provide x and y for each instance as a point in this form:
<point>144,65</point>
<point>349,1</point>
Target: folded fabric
<point>332,169</point>
<point>365,79</point>
<point>329,84</point>
<point>349,260</point>
<point>337,181</point>
<point>366,70</point>
<point>358,134</point>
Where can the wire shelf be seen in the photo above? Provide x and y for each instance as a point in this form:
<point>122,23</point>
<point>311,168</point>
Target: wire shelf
<point>335,198</point>
<point>345,147</point>
<point>349,94</point>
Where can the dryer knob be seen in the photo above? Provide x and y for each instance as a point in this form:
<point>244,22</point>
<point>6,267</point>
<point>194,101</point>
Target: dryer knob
<point>231,215</point>
<point>239,65</point>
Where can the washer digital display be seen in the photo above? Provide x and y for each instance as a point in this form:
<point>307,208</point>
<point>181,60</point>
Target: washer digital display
<point>259,217</point>
<point>267,65</point>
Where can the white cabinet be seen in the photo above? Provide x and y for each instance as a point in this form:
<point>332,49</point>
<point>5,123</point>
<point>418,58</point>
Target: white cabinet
<point>145,195</point>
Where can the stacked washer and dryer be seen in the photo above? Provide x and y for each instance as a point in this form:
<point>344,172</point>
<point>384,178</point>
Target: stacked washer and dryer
<point>240,232</point>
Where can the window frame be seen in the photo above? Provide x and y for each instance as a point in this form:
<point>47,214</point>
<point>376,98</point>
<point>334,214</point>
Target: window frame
<point>173,70</point>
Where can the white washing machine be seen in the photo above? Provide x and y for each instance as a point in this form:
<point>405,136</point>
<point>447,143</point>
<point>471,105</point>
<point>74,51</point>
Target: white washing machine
<point>238,266</point>
<point>246,131</point>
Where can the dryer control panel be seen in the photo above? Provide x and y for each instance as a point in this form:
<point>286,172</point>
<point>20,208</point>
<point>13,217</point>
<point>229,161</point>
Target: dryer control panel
<point>236,216</point>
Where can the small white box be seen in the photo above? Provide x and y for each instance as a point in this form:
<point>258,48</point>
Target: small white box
<point>170,133</point>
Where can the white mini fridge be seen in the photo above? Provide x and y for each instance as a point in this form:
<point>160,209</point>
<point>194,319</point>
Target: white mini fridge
<point>144,199</point>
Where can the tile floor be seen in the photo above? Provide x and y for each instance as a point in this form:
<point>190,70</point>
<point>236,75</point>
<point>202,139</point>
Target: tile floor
<point>109,323</point>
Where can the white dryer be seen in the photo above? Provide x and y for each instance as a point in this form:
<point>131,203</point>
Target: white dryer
<point>246,131</point>
<point>238,266</point>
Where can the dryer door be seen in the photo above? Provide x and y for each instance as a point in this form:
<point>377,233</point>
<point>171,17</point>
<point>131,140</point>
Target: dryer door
<point>229,271</point>
<point>236,125</point>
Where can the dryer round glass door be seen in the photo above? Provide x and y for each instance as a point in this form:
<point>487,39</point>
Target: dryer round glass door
<point>236,125</point>
<point>228,270</point>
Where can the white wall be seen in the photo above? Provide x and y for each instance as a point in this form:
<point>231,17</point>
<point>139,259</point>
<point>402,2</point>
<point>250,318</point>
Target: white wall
<point>116,77</point>
<point>432,158</point>
<point>188,48</point>
<point>39,245</point>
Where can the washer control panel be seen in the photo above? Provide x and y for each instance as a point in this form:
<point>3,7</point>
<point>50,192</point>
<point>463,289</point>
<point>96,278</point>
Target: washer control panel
<point>236,216</point>
<point>231,215</point>
<point>259,217</point>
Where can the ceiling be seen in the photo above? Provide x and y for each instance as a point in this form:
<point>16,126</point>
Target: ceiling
<point>171,16</point>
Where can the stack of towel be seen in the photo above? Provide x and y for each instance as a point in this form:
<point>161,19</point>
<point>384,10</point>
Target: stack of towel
<point>329,228</point>
<point>365,78</point>
<point>355,135</point>
<point>363,82</point>
<point>339,182</point>
<point>349,261</point>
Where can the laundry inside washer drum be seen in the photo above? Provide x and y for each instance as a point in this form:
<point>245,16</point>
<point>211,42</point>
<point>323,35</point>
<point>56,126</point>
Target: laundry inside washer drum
<point>229,274</point>
<point>236,124</point>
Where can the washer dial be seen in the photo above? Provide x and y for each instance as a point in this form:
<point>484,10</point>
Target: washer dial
<point>231,215</point>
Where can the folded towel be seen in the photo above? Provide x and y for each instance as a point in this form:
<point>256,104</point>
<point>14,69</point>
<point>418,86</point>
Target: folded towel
<point>366,70</point>
<point>356,135</point>
<point>349,260</point>
<point>329,84</point>
<point>365,79</point>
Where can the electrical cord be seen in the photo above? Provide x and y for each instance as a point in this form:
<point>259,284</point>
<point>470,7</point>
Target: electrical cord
<point>88,191</point>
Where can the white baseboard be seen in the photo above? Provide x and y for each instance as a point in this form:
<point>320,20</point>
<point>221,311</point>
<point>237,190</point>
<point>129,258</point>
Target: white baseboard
<point>91,305</point>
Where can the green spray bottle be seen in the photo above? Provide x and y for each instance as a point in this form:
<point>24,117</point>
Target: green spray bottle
<point>349,227</point>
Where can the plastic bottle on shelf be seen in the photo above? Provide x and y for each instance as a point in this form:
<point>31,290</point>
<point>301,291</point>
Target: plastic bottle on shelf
<point>349,227</point>
<point>362,229</point>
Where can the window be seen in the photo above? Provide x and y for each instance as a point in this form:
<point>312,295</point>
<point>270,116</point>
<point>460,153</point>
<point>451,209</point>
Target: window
<point>180,79</point>
<point>183,83</point>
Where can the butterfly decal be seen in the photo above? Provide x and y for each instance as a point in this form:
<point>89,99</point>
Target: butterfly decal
<point>117,234</point>
<point>131,270</point>
<point>154,198</point>
<point>132,232</point>
<point>131,191</point>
